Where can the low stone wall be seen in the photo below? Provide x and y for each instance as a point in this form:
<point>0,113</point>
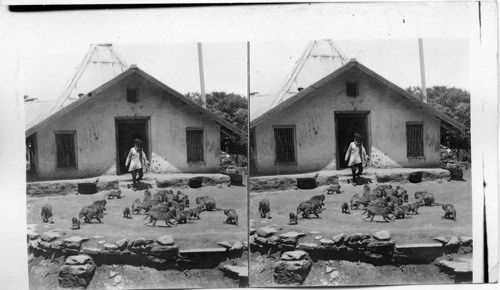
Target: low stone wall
<point>162,253</point>
<point>63,187</point>
<point>377,249</point>
<point>212,180</point>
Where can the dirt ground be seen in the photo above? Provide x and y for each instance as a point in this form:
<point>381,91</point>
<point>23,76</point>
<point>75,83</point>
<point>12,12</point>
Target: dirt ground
<point>203,233</point>
<point>349,273</point>
<point>419,228</point>
<point>43,275</point>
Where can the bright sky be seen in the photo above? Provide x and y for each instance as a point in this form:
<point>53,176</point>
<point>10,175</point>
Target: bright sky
<point>446,61</point>
<point>45,70</point>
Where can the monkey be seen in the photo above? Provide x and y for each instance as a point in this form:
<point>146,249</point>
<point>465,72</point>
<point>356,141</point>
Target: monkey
<point>180,196</point>
<point>176,205</point>
<point>308,207</point>
<point>232,216</point>
<point>384,186</point>
<point>293,219</point>
<point>91,212</point>
<point>395,200</point>
<point>160,207</point>
<point>114,193</point>
<point>264,208</point>
<point>413,207</point>
<point>136,206</point>
<point>194,213</point>
<point>345,208</point>
<point>390,192</point>
<point>429,199</point>
<point>201,199</point>
<point>335,188</point>
<point>420,194</point>
<point>166,216</point>
<point>398,212</point>
<point>404,196</point>
<point>377,210</point>
<point>449,212</point>
<point>126,213</point>
<point>354,201</point>
<point>320,199</point>
<point>366,192</point>
<point>147,196</point>
<point>210,204</point>
<point>75,223</point>
<point>379,192</point>
<point>181,217</point>
<point>101,203</point>
<point>47,213</point>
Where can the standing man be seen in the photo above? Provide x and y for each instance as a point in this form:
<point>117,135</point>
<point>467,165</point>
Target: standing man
<point>137,160</point>
<point>356,155</point>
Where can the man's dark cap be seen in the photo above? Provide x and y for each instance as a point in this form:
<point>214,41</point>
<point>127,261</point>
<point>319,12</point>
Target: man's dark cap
<point>138,141</point>
<point>357,135</point>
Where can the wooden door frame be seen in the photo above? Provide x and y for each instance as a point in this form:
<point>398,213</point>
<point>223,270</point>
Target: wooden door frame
<point>132,119</point>
<point>357,113</point>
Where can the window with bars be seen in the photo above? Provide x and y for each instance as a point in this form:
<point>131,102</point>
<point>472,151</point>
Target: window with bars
<point>284,139</point>
<point>415,140</point>
<point>194,139</point>
<point>66,150</point>
<point>132,95</point>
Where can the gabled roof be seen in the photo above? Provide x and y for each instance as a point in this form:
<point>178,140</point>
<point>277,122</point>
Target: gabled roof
<point>320,58</point>
<point>353,63</point>
<point>37,111</point>
<point>226,126</point>
<point>100,64</point>
<point>259,104</point>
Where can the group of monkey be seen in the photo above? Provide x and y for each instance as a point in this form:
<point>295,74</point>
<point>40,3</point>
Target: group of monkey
<point>383,201</point>
<point>163,205</point>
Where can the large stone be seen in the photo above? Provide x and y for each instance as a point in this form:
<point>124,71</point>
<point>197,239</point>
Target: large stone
<point>75,239</point>
<point>165,240</point>
<point>453,242</point>
<point>50,236</point>
<point>57,245</point>
<point>237,246</point>
<point>294,255</point>
<point>33,236</point>
<point>338,239</point>
<point>288,272</point>
<point>266,231</point>
<point>260,240</point>
<point>355,237</point>
<point>110,247</point>
<point>241,271</point>
<point>78,273</point>
<point>466,241</point>
<point>307,246</point>
<point>441,239</point>
<point>252,231</point>
<point>455,266</point>
<point>382,235</point>
<point>327,242</point>
<point>225,244</point>
<point>381,246</point>
<point>90,251</point>
<point>122,244</point>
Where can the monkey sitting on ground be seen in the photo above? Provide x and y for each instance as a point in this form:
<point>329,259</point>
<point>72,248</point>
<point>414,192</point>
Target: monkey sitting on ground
<point>194,213</point>
<point>354,201</point>
<point>47,213</point>
<point>126,213</point>
<point>293,219</point>
<point>147,196</point>
<point>399,212</point>
<point>201,199</point>
<point>181,217</point>
<point>413,207</point>
<point>210,204</point>
<point>101,203</point>
<point>232,216</point>
<point>449,212</point>
<point>378,210</point>
<point>91,212</point>
<point>136,206</point>
<point>366,192</point>
<point>181,197</point>
<point>384,186</point>
<point>115,193</point>
<point>75,223</point>
<point>176,205</point>
<point>166,216</point>
<point>404,195</point>
<point>345,208</point>
<point>264,208</point>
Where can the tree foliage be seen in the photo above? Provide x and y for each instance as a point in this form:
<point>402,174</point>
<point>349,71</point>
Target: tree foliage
<point>234,109</point>
<point>455,103</point>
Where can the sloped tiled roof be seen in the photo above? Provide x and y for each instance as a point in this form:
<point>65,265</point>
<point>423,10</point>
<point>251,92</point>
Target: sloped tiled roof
<point>36,111</point>
<point>259,104</point>
<point>353,63</point>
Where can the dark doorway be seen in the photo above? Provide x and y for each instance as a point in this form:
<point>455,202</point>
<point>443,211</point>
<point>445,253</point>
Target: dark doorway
<point>253,152</point>
<point>127,130</point>
<point>31,156</point>
<point>348,123</point>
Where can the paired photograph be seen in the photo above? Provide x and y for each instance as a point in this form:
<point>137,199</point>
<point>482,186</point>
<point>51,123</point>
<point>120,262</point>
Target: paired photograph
<point>327,162</point>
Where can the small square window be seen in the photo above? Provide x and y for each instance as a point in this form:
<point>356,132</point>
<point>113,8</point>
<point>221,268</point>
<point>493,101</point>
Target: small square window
<point>352,89</point>
<point>132,95</point>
